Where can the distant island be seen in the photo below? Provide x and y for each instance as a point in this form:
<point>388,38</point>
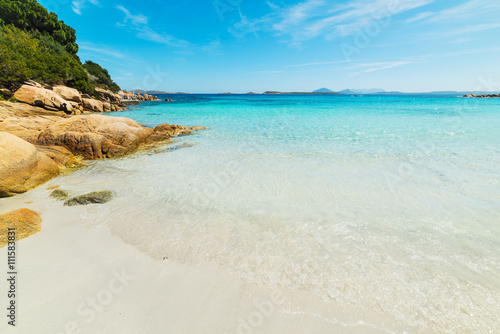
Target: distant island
<point>154,92</point>
<point>299,93</point>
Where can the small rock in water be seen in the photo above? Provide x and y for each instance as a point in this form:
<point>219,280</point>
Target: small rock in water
<point>96,197</point>
<point>59,194</point>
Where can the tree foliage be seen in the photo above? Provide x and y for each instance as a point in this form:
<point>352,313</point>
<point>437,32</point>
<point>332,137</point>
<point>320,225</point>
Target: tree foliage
<point>35,44</point>
<point>100,76</point>
<point>29,15</point>
<point>24,57</point>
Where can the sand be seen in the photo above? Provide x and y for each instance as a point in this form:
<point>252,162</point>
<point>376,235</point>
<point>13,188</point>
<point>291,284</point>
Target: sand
<point>76,278</point>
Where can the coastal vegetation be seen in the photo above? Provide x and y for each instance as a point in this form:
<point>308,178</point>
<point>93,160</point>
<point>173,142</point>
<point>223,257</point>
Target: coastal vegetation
<point>100,76</point>
<point>36,45</point>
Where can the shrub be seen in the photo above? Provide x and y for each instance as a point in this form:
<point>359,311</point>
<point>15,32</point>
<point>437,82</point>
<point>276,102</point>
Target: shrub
<point>29,15</point>
<point>100,76</point>
<point>24,57</point>
<point>35,44</point>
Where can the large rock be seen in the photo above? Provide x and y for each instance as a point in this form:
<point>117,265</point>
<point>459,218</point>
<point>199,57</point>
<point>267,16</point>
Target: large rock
<point>16,110</point>
<point>88,136</point>
<point>68,94</point>
<point>62,157</point>
<point>98,136</point>
<point>108,96</point>
<point>25,222</point>
<point>40,97</point>
<point>107,106</point>
<point>93,105</point>
<point>22,167</point>
<point>95,136</point>
<point>27,128</point>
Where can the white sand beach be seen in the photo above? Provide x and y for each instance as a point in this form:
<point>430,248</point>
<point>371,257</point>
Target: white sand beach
<point>76,278</point>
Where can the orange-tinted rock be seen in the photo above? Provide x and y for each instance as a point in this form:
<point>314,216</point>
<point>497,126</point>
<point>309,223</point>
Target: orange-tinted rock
<point>68,94</point>
<point>22,166</point>
<point>24,223</point>
<point>41,97</point>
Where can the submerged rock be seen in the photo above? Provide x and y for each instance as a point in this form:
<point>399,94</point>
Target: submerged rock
<point>25,222</point>
<point>96,197</point>
<point>59,194</point>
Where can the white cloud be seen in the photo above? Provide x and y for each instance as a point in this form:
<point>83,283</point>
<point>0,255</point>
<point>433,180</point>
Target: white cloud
<point>101,50</point>
<point>319,63</point>
<point>138,19</point>
<point>468,9</point>
<point>211,47</point>
<point>314,18</point>
<point>372,67</point>
<point>139,24</point>
<point>78,5</point>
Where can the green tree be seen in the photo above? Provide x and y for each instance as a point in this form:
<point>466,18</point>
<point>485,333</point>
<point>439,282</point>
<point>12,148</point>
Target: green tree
<point>100,76</point>
<point>24,57</point>
<point>35,44</point>
<point>30,16</point>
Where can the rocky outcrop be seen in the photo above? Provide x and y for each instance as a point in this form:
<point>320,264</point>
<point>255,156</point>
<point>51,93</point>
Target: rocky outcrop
<point>137,97</point>
<point>71,101</point>
<point>41,97</point>
<point>483,95</point>
<point>93,105</point>
<point>62,157</point>
<point>25,222</point>
<point>89,136</point>
<point>108,96</point>
<point>97,137</point>
<point>68,94</point>
<point>22,166</point>
<point>96,197</point>
<point>68,100</point>
<point>37,145</point>
<point>17,110</point>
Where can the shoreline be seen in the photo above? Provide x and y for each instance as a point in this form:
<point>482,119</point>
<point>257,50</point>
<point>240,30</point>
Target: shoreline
<point>113,285</point>
<point>182,293</point>
<point>30,135</point>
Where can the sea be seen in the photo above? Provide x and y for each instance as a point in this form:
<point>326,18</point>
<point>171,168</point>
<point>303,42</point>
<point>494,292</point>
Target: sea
<point>391,203</point>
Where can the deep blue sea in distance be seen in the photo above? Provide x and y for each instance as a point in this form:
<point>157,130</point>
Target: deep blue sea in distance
<point>389,203</point>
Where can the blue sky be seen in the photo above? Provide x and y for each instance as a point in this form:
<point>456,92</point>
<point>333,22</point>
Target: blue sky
<point>207,46</point>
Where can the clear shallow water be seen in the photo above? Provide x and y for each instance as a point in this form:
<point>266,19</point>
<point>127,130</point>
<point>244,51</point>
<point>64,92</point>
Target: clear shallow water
<point>388,203</point>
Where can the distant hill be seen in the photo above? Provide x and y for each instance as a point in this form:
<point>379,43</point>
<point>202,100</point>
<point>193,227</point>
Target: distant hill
<point>299,93</point>
<point>323,90</point>
<point>347,92</point>
<point>439,93</point>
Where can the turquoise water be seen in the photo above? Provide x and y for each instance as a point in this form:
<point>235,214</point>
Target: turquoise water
<point>387,203</point>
